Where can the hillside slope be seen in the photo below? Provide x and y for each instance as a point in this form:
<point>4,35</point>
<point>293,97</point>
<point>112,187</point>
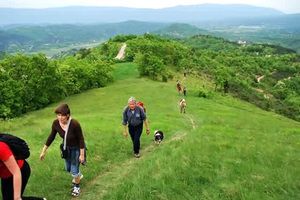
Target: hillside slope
<point>221,149</point>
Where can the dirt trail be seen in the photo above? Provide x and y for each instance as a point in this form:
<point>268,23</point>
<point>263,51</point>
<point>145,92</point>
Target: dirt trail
<point>121,54</point>
<point>102,183</point>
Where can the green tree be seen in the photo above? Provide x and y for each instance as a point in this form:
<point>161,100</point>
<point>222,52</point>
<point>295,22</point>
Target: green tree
<point>150,65</point>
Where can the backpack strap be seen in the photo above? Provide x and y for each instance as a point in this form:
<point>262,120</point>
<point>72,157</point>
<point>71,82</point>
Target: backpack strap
<point>66,133</point>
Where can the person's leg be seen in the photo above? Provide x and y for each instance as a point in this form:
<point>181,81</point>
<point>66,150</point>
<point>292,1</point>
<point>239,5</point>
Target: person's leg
<point>68,164</point>
<point>7,184</point>
<point>137,135</point>
<point>75,170</point>
<point>25,171</point>
<point>131,130</point>
<point>7,188</point>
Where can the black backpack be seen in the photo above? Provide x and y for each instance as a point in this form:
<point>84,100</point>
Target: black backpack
<point>18,146</point>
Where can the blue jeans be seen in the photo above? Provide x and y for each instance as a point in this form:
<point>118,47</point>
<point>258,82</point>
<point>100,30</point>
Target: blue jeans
<point>72,163</point>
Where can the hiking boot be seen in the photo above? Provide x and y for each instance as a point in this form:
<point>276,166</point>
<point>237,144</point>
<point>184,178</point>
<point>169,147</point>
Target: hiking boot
<point>76,191</point>
<point>137,155</point>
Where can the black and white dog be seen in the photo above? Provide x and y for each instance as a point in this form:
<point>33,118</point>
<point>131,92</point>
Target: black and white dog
<point>158,136</point>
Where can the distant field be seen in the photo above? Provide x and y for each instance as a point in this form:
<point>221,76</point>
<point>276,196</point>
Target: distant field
<point>52,51</point>
<point>260,34</point>
<point>223,148</point>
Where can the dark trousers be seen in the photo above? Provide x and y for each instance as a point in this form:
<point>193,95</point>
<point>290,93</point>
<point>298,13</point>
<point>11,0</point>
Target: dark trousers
<point>7,186</point>
<point>135,134</point>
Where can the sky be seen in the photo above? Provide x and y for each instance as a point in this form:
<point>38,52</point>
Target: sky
<point>286,6</point>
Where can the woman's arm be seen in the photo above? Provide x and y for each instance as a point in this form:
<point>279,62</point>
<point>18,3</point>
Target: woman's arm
<point>50,139</point>
<point>14,169</point>
<point>81,156</point>
<point>78,132</point>
<point>43,153</point>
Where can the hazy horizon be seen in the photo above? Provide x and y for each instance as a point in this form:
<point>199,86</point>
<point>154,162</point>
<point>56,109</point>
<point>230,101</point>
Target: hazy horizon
<point>286,6</point>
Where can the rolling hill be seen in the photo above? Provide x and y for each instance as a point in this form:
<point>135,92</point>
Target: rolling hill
<point>26,38</point>
<point>223,148</point>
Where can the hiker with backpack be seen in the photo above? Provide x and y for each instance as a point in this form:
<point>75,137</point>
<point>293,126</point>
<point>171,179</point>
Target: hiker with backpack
<point>133,119</point>
<point>182,105</point>
<point>72,147</point>
<point>14,169</point>
<point>178,86</point>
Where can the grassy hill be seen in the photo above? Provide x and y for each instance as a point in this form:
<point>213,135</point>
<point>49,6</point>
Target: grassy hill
<point>222,148</point>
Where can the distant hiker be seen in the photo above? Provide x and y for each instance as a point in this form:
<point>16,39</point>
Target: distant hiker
<point>72,147</point>
<point>158,136</point>
<point>14,169</point>
<point>182,105</point>
<point>185,72</point>
<point>133,119</point>
<point>226,86</point>
<point>184,91</point>
<point>178,86</point>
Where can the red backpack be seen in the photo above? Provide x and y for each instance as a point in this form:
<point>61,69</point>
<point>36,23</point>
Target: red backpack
<point>141,104</point>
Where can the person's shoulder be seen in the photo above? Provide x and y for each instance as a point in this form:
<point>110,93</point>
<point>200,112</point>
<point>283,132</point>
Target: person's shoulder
<point>5,151</point>
<point>140,108</point>
<point>75,122</point>
<point>125,108</point>
<point>3,145</point>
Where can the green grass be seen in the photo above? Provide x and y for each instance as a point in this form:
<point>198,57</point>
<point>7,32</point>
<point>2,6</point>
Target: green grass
<point>222,148</point>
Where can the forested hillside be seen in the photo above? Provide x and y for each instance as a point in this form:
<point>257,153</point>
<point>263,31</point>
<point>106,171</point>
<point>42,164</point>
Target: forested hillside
<point>55,39</point>
<point>265,75</point>
<point>35,38</point>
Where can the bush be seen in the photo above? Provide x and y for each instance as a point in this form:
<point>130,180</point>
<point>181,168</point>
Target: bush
<point>164,78</point>
<point>150,65</point>
<point>29,83</point>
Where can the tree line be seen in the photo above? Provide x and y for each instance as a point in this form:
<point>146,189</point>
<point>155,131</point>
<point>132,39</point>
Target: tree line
<point>29,83</point>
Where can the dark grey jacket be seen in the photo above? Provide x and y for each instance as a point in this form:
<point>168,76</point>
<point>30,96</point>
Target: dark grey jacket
<point>133,117</point>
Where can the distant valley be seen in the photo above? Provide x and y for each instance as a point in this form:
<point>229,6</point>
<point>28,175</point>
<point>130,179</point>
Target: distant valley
<point>54,30</point>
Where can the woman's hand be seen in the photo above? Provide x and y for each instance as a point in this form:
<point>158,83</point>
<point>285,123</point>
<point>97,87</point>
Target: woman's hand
<point>43,153</point>
<point>81,158</point>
